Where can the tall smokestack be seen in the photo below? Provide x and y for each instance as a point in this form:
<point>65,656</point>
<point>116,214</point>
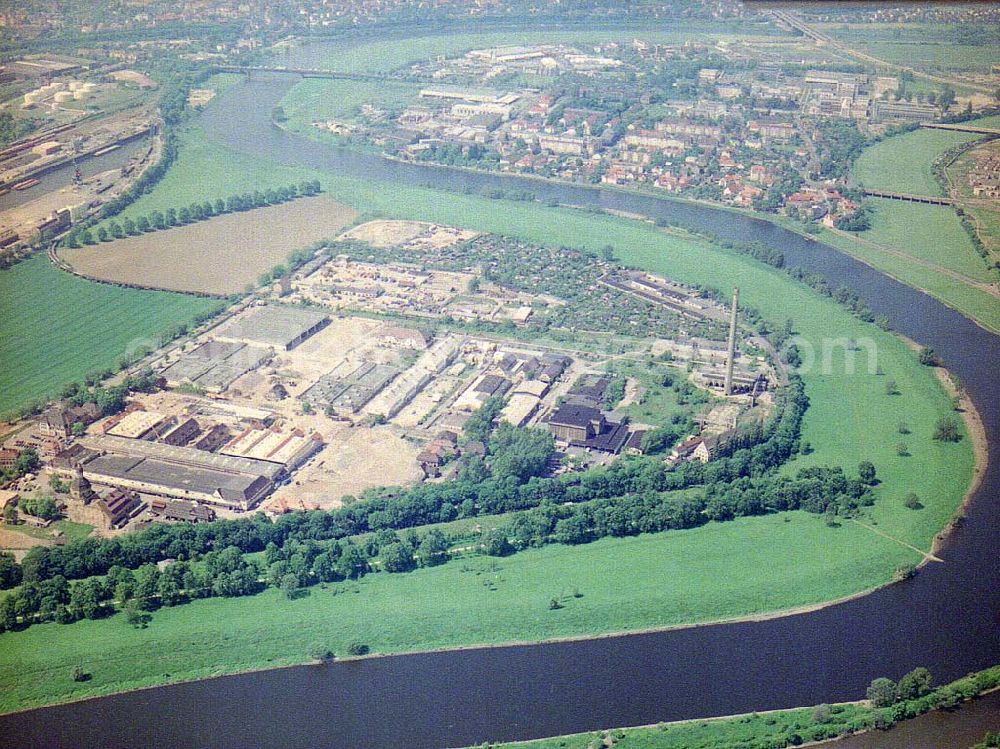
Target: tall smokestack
<point>731,348</point>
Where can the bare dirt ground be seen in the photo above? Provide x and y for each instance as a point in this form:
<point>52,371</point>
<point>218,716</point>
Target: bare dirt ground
<point>356,459</point>
<point>19,543</point>
<point>415,235</point>
<point>219,256</point>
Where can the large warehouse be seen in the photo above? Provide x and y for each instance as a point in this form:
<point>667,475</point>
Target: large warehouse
<point>181,472</point>
<point>273,326</point>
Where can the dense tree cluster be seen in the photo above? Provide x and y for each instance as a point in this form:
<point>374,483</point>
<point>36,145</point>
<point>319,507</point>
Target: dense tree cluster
<point>860,220</point>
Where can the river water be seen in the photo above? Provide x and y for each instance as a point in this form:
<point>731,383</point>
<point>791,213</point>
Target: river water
<point>946,618</point>
<point>63,176</point>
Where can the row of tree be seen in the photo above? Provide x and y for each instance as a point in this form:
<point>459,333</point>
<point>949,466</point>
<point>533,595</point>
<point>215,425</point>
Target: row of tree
<point>511,482</point>
<point>227,573</point>
<point>159,220</point>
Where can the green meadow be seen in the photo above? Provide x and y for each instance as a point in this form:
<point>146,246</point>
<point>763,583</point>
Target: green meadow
<point>906,237</point>
<point>55,327</point>
<point>903,162</point>
<point>655,580</point>
<point>927,232</point>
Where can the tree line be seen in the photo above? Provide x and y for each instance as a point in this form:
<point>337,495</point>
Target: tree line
<point>160,220</point>
<point>511,480</point>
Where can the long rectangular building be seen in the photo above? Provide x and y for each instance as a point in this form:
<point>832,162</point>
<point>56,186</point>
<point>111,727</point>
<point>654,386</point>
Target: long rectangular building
<point>181,472</point>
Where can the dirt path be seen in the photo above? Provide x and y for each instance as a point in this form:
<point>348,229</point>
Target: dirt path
<point>928,557</point>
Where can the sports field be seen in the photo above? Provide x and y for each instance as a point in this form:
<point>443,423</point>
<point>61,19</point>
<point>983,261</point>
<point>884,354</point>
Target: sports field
<point>55,327</point>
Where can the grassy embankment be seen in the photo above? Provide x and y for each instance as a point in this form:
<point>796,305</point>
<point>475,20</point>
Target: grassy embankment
<point>983,212</point>
<point>55,327</point>
<point>746,567</point>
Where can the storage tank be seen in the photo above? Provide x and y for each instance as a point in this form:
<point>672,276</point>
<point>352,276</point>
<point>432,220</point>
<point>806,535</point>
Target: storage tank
<point>80,95</point>
<point>31,97</point>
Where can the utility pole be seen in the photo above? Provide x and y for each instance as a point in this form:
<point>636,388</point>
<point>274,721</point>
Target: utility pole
<point>731,348</point>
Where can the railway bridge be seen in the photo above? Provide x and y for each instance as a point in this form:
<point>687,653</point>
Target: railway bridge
<point>908,197</point>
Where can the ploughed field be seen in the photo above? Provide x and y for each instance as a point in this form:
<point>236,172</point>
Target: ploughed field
<point>222,255</point>
<point>55,327</point>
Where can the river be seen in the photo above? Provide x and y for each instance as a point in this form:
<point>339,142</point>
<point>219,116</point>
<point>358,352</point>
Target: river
<point>946,618</point>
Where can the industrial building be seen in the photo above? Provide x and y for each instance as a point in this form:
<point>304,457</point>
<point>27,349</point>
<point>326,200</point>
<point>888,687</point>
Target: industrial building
<point>180,511</point>
<point>584,426</point>
<point>215,365</point>
<point>281,328</point>
<point>181,472</point>
<point>290,449</point>
<point>347,388</point>
<point>137,425</point>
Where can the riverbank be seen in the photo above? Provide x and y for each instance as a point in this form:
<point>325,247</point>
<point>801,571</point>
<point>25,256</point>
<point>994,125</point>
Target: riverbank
<point>976,431</point>
<point>821,725</point>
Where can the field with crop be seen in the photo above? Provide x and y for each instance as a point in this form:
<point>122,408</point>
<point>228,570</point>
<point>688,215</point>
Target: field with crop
<point>55,327</point>
<point>222,255</point>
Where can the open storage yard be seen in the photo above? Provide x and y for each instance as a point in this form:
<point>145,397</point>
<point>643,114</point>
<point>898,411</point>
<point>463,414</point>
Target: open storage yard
<point>219,256</point>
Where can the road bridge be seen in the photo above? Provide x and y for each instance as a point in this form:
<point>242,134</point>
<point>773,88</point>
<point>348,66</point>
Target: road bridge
<point>304,72</point>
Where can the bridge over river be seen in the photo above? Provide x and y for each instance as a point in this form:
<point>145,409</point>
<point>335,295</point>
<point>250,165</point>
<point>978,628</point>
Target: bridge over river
<point>909,197</point>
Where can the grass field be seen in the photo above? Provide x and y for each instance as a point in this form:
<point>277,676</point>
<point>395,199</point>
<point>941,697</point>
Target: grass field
<point>653,580</point>
<point>222,255</point>
<point>55,327</point>
<point>927,232</point>
<point>902,163</point>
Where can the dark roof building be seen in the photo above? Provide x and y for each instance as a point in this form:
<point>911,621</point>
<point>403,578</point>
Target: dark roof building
<point>119,507</point>
<point>492,384</point>
<point>181,511</point>
<point>585,426</point>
